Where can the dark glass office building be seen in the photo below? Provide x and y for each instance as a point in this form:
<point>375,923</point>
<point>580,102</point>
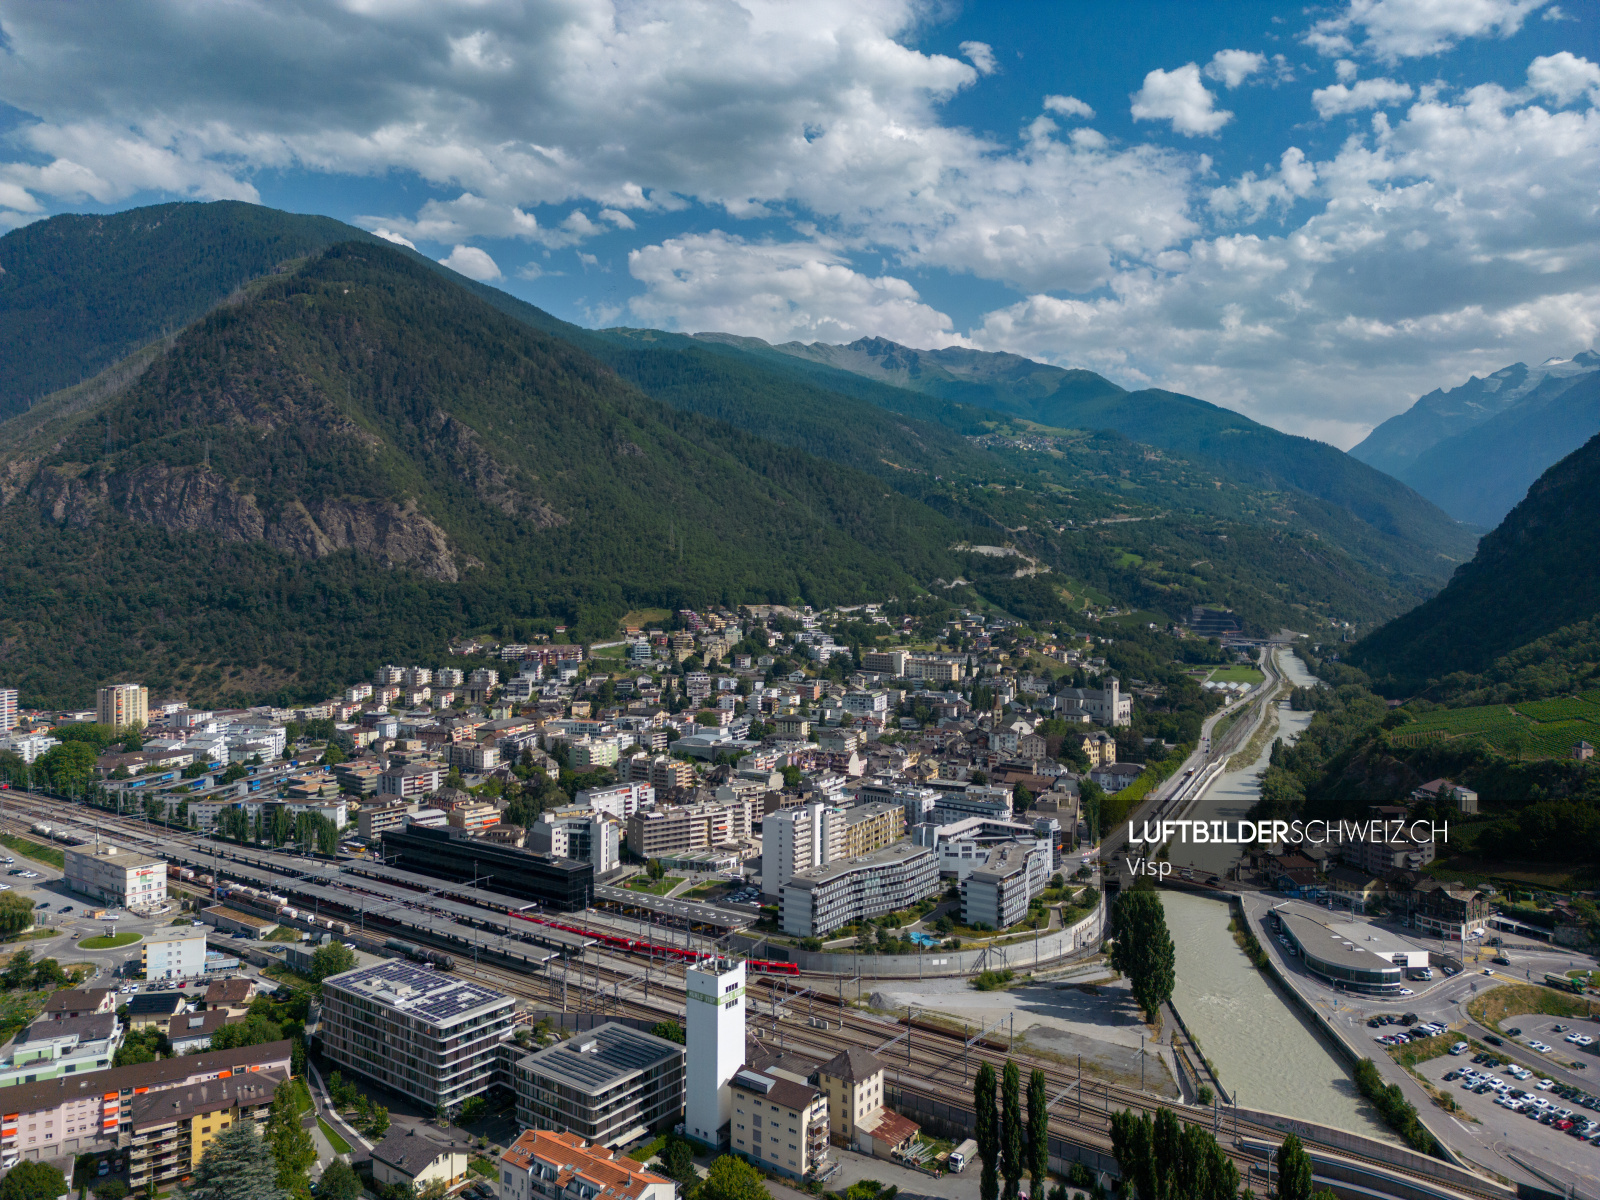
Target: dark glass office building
<point>561,884</point>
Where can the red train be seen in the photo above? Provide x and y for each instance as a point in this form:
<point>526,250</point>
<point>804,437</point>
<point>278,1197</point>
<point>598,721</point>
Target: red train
<point>617,941</point>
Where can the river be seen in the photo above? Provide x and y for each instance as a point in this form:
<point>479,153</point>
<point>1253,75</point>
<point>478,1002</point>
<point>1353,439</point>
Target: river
<point>1266,1053</point>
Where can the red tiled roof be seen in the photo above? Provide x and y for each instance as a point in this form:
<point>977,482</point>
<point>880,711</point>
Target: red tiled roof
<point>571,1156</point>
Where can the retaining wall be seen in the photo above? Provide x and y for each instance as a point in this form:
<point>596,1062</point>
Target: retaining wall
<point>1038,951</point>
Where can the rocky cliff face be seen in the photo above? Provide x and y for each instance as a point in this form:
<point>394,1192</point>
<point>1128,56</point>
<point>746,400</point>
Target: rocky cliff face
<point>196,499</point>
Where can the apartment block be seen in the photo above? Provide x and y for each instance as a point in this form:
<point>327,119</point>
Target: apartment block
<point>609,1086</point>
<point>662,830</point>
<point>582,835</point>
<point>171,1130</point>
<point>870,827</point>
<point>780,1123</point>
<point>371,821</point>
<point>174,952</point>
<point>619,800</point>
<point>47,1049</point>
<point>821,899</point>
<point>431,1036</point>
<point>885,662</point>
<point>123,705</point>
<point>476,815</point>
<point>996,894</point>
<point>411,780</point>
<point>8,709</point>
<point>541,1165</point>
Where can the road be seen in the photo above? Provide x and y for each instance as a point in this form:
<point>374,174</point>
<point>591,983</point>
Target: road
<point>1114,845</point>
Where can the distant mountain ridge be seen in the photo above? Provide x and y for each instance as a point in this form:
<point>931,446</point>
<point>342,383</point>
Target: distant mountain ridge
<point>1079,399</point>
<point>1475,449</point>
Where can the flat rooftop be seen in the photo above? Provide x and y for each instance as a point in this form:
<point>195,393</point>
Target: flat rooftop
<point>683,910</point>
<point>1378,940</point>
<point>1325,945</point>
<point>888,856</point>
<point>592,1062</point>
<point>435,996</point>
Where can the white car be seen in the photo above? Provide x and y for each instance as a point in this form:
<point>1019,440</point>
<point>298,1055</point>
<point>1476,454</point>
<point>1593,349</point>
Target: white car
<point>1460,1048</point>
<point>1544,1085</point>
<point>1407,992</point>
<point>1540,1047</point>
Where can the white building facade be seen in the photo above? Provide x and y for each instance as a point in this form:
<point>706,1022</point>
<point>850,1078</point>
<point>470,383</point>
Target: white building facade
<point>714,1016</point>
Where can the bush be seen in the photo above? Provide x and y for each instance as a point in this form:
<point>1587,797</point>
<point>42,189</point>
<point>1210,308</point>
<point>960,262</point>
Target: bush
<point>1205,1096</point>
<point>988,981</point>
<point>1398,1113</point>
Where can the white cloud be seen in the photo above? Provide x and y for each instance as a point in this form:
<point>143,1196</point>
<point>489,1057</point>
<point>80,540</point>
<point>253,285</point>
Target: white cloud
<point>1179,96</point>
<point>777,291</point>
<point>1397,29</point>
<point>1068,106</point>
<point>1233,67</point>
<point>472,262</point>
<point>1253,196</point>
<point>1335,99</point>
<point>1346,70</point>
<point>620,219</point>
<point>390,235</point>
<point>981,56</point>
<point>1564,76</point>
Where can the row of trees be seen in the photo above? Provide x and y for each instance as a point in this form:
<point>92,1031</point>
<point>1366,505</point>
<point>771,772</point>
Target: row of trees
<point>1007,1153</point>
<point>279,827</point>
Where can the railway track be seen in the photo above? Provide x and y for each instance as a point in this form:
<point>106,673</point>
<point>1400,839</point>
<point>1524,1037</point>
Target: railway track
<point>925,1060</point>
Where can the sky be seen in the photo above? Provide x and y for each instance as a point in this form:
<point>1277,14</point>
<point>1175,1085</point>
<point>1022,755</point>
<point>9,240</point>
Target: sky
<point>1311,215</point>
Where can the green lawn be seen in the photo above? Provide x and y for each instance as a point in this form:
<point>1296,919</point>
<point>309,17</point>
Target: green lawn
<point>48,855</point>
<point>659,888</point>
<point>1238,673</point>
<point>334,1140</point>
<point>482,1166</point>
<point>109,941</point>
<point>282,934</point>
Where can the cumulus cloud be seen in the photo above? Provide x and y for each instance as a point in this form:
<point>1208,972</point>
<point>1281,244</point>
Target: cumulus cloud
<point>1068,106</point>
<point>1179,96</point>
<point>474,263</point>
<point>1233,67</point>
<point>981,56</point>
<point>1564,76</point>
<point>390,235</point>
<point>1252,195</point>
<point>1368,93</point>
<point>1397,29</point>
<point>777,291</point>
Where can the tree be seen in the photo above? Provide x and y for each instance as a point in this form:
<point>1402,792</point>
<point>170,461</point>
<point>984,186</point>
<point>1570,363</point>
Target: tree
<point>30,1180</point>
<point>255,1030</point>
<point>333,959</point>
<point>110,1189</point>
<point>16,914</point>
<point>379,1124</point>
<point>237,1166</point>
<point>339,1182</point>
<point>669,1031</point>
<point>1294,1170</point>
<point>1143,950</point>
<point>291,1146</point>
<point>1038,1131</point>
<point>1011,1154</point>
<point>473,1109</point>
<point>732,1178</point>
<point>677,1161</point>
<point>332,755</point>
<point>988,1132</point>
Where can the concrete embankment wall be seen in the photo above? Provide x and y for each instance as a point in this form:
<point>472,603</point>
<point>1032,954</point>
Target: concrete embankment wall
<point>1038,951</point>
<point>956,1121</point>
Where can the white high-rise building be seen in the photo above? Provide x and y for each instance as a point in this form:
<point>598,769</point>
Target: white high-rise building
<point>8,709</point>
<point>796,839</point>
<point>714,1046</point>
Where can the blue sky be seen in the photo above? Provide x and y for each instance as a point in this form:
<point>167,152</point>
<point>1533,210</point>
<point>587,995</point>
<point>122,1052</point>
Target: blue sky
<point>1310,215</point>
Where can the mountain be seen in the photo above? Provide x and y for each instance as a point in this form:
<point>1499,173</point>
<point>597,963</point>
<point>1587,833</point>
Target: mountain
<point>1419,538</point>
<point>1474,449</point>
<point>357,458</point>
<point>1533,580</point>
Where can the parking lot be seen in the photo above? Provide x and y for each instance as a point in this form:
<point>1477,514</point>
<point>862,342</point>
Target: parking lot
<point>1535,1118</point>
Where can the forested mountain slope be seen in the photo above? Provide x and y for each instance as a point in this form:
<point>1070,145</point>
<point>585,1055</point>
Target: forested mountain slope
<point>1420,537</point>
<point>1535,577</point>
<point>363,414</point>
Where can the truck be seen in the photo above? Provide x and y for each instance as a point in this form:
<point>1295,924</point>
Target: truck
<point>962,1155</point>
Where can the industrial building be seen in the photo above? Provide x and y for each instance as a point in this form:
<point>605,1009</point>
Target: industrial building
<point>556,883</point>
<point>423,1033</point>
<point>609,1086</point>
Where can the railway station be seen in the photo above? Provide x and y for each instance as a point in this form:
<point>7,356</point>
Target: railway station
<point>708,919</point>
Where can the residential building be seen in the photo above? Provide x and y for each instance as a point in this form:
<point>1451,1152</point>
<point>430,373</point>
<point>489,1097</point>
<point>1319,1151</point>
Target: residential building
<point>409,1158</point>
<point>873,703</point>
<point>232,996</point>
<point>123,705</point>
<point>153,1010</point>
<point>1447,910</point>
<point>885,662</point>
<point>72,1003</point>
<point>852,1083</point>
<point>474,757</point>
<point>8,709</point>
<point>1443,791</point>
<point>610,1085</point>
<point>47,1049</point>
<point>373,820</point>
<point>561,884</point>
<point>545,1165</point>
<point>591,753</point>
<point>821,899</point>
<point>583,836</point>
<point>795,839</point>
<point>619,800</point>
<point>714,1029</point>
<point>85,1112</point>
<point>1355,888</point>
<point>113,875</point>
<point>431,1036</point>
<point>411,780</point>
<point>778,1123</point>
<point>1388,845</point>
<point>191,1031</point>
<point>174,952</point>
<point>1117,776</point>
<point>996,894</point>
<point>870,827</point>
<point>475,816</point>
<point>172,1129</point>
<point>665,829</point>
